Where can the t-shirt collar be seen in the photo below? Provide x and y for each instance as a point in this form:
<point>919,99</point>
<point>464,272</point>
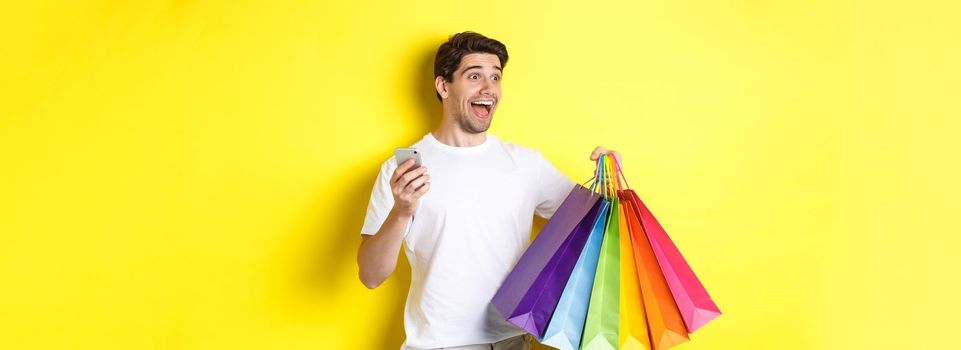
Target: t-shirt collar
<point>430,139</point>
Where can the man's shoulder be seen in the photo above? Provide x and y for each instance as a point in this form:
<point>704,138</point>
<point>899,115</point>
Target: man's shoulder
<point>389,165</point>
<point>519,150</point>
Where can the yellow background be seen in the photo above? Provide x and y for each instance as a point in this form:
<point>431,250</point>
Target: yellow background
<point>194,174</point>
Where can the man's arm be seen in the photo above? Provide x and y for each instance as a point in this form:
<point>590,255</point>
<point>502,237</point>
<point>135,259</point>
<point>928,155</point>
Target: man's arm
<point>378,253</point>
<point>377,256</point>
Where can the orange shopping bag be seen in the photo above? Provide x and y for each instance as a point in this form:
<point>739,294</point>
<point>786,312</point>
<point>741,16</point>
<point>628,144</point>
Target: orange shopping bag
<point>664,320</point>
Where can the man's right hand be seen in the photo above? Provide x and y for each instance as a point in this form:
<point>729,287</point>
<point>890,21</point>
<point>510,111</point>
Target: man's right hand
<point>408,186</point>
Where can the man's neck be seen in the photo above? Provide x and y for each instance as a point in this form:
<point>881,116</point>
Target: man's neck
<point>449,133</point>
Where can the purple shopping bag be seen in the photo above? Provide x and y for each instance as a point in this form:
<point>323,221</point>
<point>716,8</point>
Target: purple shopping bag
<point>536,307</point>
<point>579,202</point>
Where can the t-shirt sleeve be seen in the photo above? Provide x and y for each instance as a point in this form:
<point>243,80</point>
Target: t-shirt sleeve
<point>552,187</point>
<point>381,199</point>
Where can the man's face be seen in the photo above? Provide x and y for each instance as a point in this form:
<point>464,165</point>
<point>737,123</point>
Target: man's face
<point>473,95</point>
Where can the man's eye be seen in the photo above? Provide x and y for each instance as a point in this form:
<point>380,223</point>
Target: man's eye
<point>496,78</point>
<point>473,76</point>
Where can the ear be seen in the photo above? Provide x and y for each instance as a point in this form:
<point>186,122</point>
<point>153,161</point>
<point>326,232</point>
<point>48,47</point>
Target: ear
<point>441,85</point>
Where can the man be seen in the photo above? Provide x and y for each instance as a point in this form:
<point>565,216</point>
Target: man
<point>465,223</point>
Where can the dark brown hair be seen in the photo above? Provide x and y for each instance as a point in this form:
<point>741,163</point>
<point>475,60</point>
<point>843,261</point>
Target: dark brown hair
<point>449,54</point>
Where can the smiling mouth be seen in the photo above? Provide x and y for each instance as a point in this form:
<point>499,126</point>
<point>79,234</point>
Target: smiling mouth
<point>482,108</point>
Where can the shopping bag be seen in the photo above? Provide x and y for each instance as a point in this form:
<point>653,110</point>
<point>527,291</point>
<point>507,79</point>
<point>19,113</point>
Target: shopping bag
<point>633,331</point>
<point>693,302</point>
<point>666,328</point>
<point>603,274</point>
<point>566,326</point>
<point>556,231</point>
<point>601,326</point>
<point>538,304</point>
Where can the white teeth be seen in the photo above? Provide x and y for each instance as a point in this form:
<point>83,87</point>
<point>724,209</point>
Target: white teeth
<point>486,103</point>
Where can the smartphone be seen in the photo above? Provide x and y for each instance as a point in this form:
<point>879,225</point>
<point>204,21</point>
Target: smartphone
<point>403,154</point>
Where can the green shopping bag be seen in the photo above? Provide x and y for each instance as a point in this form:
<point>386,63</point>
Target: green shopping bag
<point>600,329</point>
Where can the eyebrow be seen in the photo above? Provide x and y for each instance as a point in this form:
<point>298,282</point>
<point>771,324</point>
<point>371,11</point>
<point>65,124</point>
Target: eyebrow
<point>472,67</point>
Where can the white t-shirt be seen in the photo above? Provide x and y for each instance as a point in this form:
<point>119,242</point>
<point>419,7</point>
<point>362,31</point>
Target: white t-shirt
<point>469,230</point>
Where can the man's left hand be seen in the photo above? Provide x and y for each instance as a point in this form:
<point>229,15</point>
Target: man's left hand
<point>601,150</point>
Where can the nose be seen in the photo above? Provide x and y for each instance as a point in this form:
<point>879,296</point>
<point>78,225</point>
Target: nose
<point>488,87</point>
